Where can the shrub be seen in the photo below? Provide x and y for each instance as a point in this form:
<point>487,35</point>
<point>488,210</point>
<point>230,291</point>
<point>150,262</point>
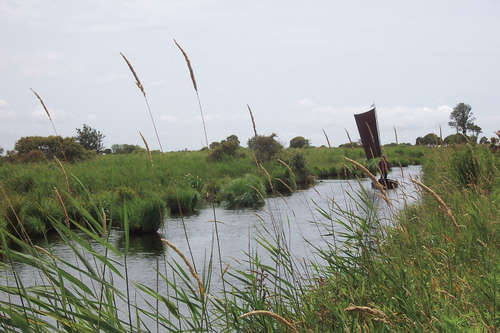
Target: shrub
<point>428,139</point>
<point>265,147</point>
<point>228,147</point>
<point>299,142</point>
<point>39,148</point>
<point>243,192</point>
<point>455,139</point>
<point>126,149</point>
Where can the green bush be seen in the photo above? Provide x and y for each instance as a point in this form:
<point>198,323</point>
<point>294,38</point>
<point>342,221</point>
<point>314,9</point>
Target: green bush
<point>39,148</point>
<point>265,147</point>
<point>228,147</point>
<point>299,142</point>
<point>244,192</point>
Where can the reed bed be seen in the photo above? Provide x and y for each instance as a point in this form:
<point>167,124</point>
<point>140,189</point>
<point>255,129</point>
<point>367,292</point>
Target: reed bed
<point>415,273</point>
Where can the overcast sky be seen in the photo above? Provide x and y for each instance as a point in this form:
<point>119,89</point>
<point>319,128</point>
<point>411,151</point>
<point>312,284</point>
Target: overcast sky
<point>302,66</point>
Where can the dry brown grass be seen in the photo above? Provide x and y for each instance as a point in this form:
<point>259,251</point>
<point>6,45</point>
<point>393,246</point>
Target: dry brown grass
<point>378,314</point>
<point>137,81</point>
<point>63,206</point>
<point>188,264</point>
<point>440,201</point>
<point>253,120</point>
<point>147,149</point>
<point>272,315</point>
<point>64,173</point>
<point>188,62</point>
<point>195,86</point>
<point>372,178</point>
<point>327,139</point>
<point>348,136</point>
<point>141,88</point>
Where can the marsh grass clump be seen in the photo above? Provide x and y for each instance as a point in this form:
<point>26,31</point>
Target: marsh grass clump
<point>282,182</point>
<point>296,161</point>
<point>182,201</point>
<point>145,215</point>
<point>244,192</point>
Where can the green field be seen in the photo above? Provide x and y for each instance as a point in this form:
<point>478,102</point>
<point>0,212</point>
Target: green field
<point>177,183</point>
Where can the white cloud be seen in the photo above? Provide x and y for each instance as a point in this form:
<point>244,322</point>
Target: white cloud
<point>39,114</point>
<point>306,102</point>
<point>5,112</point>
<point>168,118</point>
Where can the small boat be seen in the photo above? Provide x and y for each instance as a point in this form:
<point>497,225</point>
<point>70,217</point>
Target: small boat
<point>388,184</point>
<point>368,131</point>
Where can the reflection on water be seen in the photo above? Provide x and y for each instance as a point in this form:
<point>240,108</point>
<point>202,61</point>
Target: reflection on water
<point>146,245</point>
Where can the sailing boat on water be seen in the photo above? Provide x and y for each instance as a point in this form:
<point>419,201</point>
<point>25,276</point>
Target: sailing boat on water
<point>369,134</point>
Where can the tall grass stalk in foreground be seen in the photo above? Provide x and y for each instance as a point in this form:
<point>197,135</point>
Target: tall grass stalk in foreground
<point>51,121</point>
<point>195,86</point>
<point>143,91</point>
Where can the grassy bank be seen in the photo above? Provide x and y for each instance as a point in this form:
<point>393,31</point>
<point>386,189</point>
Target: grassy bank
<point>433,268</point>
<point>178,181</point>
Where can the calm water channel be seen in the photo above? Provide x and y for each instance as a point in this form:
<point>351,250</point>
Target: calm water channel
<point>298,214</point>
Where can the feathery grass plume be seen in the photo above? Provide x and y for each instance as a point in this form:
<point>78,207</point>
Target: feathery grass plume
<point>46,110</point>
<point>372,311</point>
<point>63,207</point>
<point>327,140</point>
<point>272,315</point>
<point>195,86</point>
<point>141,88</point>
<point>51,121</point>
<point>372,178</point>
<point>253,120</point>
<point>147,148</point>
<point>441,134</point>
<point>137,81</point>
<point>41,249</point>
<point>440,201</point>
<point>286,165</point>
<point>188,62</point>
<point>396,135</point>
<point>188,264</point>
<point>348,136</point>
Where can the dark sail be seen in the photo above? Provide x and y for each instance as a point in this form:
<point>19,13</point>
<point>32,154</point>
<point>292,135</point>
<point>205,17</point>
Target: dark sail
<point>368,131</point>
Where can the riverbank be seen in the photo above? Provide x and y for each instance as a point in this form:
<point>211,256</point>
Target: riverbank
<point>423,268</point>
<point>171,183</point>
<point>435,269</point>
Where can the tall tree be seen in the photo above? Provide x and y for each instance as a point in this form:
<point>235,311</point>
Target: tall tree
<point>90,138</point>
<point>462,118</point>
